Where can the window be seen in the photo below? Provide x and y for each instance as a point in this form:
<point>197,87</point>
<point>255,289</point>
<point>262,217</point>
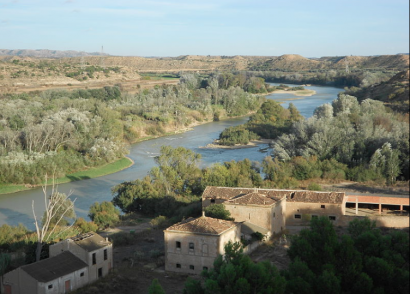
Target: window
<point>50,286</point>
<point>191,246</point>
<point>322,206</point>
<point>314,216</point>
<point>94,258</point>
<point>178,244</point>
<point>178,265</point>
<point>212,200</point>
<point>82,274</point>
<point>299,216</point>
<point>332,217</point>
<point>205,268</point>
<point>105,254</point>
<point>274,214</point>
<point>191,267</point>
<point>100,272</point>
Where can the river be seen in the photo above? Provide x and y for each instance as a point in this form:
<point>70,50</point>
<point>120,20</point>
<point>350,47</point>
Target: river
<point>16,208</point>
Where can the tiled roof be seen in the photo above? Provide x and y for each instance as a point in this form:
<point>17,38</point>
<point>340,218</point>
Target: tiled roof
<point>49,269</point>
<point>203,225</point>
<point>227,193</point>
<point>90,241</point>
<point>253,198</point>
<point>316,197</point>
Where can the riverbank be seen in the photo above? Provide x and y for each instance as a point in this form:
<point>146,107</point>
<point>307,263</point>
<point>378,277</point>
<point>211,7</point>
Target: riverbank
<point>304,93</point>
<point>251,144</point>
<point>90,173</point>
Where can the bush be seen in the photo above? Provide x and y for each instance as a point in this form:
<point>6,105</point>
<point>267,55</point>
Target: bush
<point>104,214</point>
<point>314,187</point>
<point>218,211</point>
<point>85,226</point>
<point>159,222</point>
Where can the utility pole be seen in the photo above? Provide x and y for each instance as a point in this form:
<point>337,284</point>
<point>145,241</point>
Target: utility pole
<point>102,63</point>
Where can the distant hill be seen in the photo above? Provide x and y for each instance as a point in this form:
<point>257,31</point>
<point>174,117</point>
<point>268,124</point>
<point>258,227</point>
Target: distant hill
<point>46,53</point>
<point>394,92</point>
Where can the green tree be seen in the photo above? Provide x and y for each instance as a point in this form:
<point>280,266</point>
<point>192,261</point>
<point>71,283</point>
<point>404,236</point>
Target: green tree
<point>104,214</point>
<point>236,273</point>
<point>177,169</point>
<point>155,287</point>
<point>218,211</point>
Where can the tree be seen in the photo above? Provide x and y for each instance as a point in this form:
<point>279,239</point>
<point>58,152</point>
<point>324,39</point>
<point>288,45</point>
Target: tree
<point>236,273</point>
<point>178,169</point>
<point>155,288</point>
<point>57,207</point>
<point>218,211</point>
<point>104,214</point>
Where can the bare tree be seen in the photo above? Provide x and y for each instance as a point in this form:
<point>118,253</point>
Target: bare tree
<point>57,207</point>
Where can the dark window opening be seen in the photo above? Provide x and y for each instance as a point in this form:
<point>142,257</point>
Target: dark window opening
<point>212,200</point>
<point>100,272</point>
<point>105,254</point>
<point>191,246</point>
<point>191,267</point>
<point>332,217</point>
<point>322,206</point>
<point>205,268</point>
<point>178,244</point>
<point>314,216</point>
<point>178,265</point>
<point>94,258</point>
<point>274,214</point>
<point>50,286</point>
<point>82,274</point>
<point>298,216</point>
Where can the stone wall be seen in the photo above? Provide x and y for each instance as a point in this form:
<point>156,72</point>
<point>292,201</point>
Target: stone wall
<point>308,210</point>
<point>179,257</point>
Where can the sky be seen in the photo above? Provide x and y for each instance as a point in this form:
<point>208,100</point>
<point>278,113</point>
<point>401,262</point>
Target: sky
<point>312,28</point>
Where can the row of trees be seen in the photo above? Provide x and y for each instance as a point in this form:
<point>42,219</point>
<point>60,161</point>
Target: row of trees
<point>362,261</point>
<point>63,131</point>
<point>369,139</point>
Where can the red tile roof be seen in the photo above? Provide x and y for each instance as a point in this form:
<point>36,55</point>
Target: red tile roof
<point>253,198</point>
<point>212,192</point>
<point>316,197</point>
<point>203,225</point>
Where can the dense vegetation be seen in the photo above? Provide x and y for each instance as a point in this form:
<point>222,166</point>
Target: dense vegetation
<point>270,121</point>
<point>329,77</point>
<point>363,261</point>
<point>60,132</point>
<point>366,141</point>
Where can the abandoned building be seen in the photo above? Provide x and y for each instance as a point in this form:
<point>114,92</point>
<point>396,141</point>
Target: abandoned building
<point>193,244</point>
<point>73,263</point>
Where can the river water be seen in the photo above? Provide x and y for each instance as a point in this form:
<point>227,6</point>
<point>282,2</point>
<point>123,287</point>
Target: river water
<point>16,208</point>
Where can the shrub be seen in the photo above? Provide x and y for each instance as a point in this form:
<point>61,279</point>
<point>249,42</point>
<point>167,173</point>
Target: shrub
<point>159,222</point>
<point>314,187</point>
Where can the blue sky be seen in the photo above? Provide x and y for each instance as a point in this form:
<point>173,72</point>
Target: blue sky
<point>214,27</point>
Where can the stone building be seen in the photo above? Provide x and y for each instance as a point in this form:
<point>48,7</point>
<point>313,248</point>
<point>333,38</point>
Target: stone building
<point>193,244</point>
<point>73,263</point>
<point>302,206</point>
<point>262,207</point>
<point>91,248</point>
<point>59,274</point>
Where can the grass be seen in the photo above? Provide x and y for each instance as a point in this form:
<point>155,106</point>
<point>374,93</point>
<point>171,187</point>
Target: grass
<point>10,188</point>
<point>95,172</point>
